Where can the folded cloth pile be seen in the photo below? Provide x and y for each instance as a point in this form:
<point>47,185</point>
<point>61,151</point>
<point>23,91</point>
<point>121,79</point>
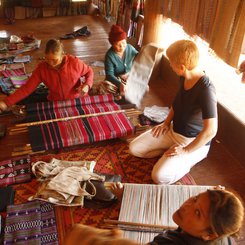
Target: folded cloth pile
<point>144,120</point>
<point>13,78</point>
<point>64,182</point>
<point>156,113</point>
<point>22,59</point>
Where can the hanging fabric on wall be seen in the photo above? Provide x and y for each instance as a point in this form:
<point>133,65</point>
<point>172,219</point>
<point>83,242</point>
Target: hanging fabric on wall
<point>137,9</point>
<point>124,14</point>
<point>128,15</point>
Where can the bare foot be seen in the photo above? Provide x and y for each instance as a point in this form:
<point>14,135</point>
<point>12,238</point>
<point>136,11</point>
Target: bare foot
<point>117,190</point>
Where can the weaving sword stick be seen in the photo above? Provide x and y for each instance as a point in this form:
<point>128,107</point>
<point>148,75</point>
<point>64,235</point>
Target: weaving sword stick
<point>153,204</point>
<point>67,118</point>
<point>23,126</point>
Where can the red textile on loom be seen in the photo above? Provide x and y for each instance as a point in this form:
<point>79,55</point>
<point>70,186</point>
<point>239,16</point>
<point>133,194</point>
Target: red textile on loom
<point>55,135</point>
<point>86,100</point>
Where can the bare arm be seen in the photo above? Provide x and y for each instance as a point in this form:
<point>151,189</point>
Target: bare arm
<point>210,127</point>
<point>209,130</point>
<point>3,106</point>
<point>26,89</point>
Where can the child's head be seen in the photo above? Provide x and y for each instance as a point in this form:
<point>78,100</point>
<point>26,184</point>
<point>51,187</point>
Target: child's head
<point>54,52</point>
<point>183,52</point>
<point>211,215</point>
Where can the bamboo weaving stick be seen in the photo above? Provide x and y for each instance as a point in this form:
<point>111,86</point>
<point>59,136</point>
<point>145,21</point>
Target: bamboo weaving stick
<point>117,222</point>
<point>67,118</point>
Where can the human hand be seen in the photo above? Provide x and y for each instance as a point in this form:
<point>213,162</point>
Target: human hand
<point>175,150</point>
<point>83,89</point>
<point>241,69</point>
<point>122,89</point>
<point>3,106</point>
<point>124,77</point>
<point>159,130</point>
<point>117,189</point>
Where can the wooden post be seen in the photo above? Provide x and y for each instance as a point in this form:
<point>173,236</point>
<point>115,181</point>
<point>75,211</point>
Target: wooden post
<point>152,21</point>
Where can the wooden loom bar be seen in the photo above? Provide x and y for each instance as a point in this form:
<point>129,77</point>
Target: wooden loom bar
<point>117,222</point>
<point>22,148</point>
<point>19,131</point>
<point>27,152</point>
<point>14,129</point>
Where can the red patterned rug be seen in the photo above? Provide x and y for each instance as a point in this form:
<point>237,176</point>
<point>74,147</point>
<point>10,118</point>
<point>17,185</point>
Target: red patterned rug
<point>111,158</point>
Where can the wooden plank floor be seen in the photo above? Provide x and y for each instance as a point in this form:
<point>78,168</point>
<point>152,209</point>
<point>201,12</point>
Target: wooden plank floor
<point>219,168</point>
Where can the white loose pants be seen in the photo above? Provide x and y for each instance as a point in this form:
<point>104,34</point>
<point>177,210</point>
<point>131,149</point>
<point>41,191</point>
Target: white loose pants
<point>167,170</point>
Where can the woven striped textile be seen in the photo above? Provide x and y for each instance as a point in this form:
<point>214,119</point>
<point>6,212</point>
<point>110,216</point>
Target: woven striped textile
<point>31,223</point>
<point>13,72</point>
<point>6,85</point>
<point>15,170</point>
<point>56,135</point>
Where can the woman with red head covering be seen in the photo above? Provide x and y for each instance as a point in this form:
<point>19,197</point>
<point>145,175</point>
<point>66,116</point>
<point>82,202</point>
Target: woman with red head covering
<point>118,61</point>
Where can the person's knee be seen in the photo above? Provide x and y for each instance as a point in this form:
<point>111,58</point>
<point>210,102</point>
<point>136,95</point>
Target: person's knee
<point>137,151</point>
<point>133,150</point>
<point>161,178</point>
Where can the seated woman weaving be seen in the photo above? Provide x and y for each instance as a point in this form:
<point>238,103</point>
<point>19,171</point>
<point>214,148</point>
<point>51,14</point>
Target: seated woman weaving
<point>66,77</point>
<point>209,218</point>
<point>118,62</point>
